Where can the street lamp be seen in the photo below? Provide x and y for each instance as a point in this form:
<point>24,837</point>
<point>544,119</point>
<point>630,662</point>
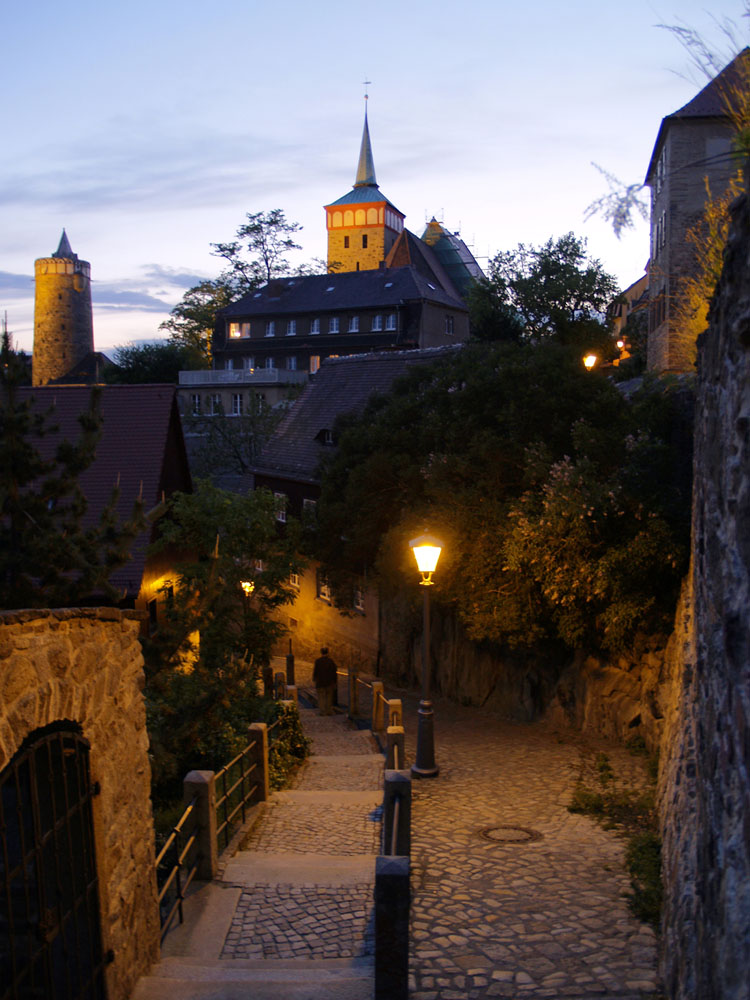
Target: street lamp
<point>589,360</point>
<point>426,551</point>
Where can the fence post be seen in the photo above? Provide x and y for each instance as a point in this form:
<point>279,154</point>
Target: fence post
<point>258,737</point>
<point>397,785</point>
<point>378,704</point>
<point>290,665</point>
<point>200,785</point>
<point>395,712</point>
<point>392,900</point>
<point>292,694</point>
<point>279,685</point>
<point>353,693</point>
<point>395,755</point>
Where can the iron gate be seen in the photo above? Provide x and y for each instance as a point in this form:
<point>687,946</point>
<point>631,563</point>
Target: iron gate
<point>50,940</point>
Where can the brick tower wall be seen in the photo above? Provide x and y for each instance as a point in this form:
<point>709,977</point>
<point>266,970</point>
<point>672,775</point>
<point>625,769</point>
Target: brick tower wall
<point>63,322</point>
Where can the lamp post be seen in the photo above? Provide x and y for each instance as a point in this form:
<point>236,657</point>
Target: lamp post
<point>426,551</point>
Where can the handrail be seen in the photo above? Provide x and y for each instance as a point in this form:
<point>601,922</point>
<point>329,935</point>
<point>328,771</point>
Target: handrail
<point>245,795</point>
<point>174,876</point>
<point>394,825</point>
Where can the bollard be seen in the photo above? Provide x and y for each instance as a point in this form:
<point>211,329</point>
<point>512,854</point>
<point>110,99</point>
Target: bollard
<point>397,785</point>
<point>290,665</point>
<point>200,785</point>
<point>395,755</point>
<point>292,693</point>
<point>392,900</point>
<point>378,705</point>
<point>353,693</point>
<point>395,713</point>
<point>258,737</point>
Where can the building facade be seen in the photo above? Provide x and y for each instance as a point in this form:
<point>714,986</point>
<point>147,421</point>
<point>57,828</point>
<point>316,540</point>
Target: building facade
<point>693,149</point>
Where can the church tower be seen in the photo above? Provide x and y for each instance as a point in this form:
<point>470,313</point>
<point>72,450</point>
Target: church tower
<point>63,322</point>
<point>362,225</point>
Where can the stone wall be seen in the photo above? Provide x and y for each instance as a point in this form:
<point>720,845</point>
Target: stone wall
<point>85,666</point>
<point>705,784</point>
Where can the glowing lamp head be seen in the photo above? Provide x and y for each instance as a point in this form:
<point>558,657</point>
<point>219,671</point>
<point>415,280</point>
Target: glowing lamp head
<point>620,344</point>
<point>248,587</point>
<point>426,549</point>
<point>589,361</point>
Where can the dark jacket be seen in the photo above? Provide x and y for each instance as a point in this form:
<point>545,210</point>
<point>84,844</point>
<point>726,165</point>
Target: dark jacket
<point>324,672</point>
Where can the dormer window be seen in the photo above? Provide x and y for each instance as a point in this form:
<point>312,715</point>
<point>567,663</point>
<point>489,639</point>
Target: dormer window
<point>325,436</point>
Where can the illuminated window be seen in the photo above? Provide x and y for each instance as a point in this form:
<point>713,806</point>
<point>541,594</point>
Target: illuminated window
<point>294,580</point>
<point>280,499</point>
<point>195,400</point>
<point>237,404</point>
<point>234,330</point>
<point>314,363</point>
<point>377,322</point>
<point>271,328</point>
<point>333,324</point>
<point>390,321</point>
<point>323,588</point>
<point>291,328</point>
<point>314,326</point>
<point>354,324</point>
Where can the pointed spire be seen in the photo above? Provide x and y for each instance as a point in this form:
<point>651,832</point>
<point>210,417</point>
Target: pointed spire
<point>366,166</point>
<point>65,249</point>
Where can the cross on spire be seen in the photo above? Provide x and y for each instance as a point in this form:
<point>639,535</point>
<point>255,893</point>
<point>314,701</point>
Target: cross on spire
<point>366,84</point>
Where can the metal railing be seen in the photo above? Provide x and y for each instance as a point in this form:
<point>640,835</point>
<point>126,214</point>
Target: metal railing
<point>177,879</point>
<point>249,376</point>
<point>235,795</point>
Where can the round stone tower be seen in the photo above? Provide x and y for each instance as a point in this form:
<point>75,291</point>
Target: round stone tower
<point>63,322</point>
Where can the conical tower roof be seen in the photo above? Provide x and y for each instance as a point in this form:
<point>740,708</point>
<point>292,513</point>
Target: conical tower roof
<point>366,165</point>
<point>64,249</point>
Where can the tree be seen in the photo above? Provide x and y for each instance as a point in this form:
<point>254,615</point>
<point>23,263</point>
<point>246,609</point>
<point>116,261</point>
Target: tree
<point>259,251</point>
<point>191,323</point>
<point>141,363</point>
<point>551,291</point>
<point>540,477</point>
<point>48,557</point>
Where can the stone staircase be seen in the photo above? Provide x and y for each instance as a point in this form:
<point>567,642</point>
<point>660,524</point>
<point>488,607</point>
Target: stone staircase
<point>290,914</point>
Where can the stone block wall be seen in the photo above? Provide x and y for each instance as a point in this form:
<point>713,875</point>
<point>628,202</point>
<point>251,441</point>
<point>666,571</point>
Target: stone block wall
<point>705,784</point>
<point>85,666</point>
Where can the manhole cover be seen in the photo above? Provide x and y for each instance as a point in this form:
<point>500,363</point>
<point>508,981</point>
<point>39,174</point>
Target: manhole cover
<point>509,834</point>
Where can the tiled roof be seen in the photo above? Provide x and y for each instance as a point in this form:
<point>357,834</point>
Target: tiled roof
<point>372,289</point>
<point>342,385</point>
<point>409,250</point>
<point>364,194</point>
<point>713,101</point>
<point>88,371</point>
<point>140,447</point>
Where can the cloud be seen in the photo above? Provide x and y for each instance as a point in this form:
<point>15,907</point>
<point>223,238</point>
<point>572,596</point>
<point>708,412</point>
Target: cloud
<point>110,297</point>
<point>16,285</point>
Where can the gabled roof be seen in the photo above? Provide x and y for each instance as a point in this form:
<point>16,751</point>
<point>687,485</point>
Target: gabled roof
<point>379,288</point>
<point>715,100</point>
<point>410,251</point>
<point>141,447</point>
<point>342,385</point>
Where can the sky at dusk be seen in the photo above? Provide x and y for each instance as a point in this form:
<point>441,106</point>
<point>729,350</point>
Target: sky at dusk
<point>148,130</point>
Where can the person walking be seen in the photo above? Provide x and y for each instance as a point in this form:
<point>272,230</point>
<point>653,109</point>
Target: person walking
<point>325,681</point>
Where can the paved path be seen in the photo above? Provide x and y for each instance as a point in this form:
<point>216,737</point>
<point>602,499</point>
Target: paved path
<point>512,895</point>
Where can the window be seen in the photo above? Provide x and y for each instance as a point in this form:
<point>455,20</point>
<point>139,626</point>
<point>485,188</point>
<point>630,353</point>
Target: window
<point>269,362</point>
<point>364,242</point>
<point>291,363</point>
<point>291,328</point>
<point>249,363</point>
<point>314,326</point>
<point>235,330</point>
<point>280,499</point>
<point>323,588</point>
<point>236,404</point>
<point>309,506</point>
<point>214,404</point>
<point>449,325</point>
<point>294,580</point>
<point>354,324</point>
<point>195,400</point>
<point>271,328</point>
<point>377,322</point>
<point>333,324</point>
<point>314,363</point>
<point>390,321</point>
<point>359,599</point>
<point>346,243</point>
<point>245,329</point>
